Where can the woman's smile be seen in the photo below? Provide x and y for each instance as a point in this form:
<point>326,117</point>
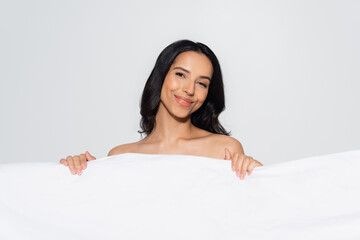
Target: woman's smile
<point>183,101</point>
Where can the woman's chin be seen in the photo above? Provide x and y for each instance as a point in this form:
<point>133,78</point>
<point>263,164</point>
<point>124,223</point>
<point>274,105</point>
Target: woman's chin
<point>182,117</point>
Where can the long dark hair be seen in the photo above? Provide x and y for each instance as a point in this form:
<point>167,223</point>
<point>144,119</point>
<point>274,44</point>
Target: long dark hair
<point>206,117</point>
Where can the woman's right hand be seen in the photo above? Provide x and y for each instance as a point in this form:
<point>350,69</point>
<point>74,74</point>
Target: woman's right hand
<point>77,163</point>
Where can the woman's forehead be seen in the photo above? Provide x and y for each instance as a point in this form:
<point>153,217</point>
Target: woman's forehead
<point>194,62</point>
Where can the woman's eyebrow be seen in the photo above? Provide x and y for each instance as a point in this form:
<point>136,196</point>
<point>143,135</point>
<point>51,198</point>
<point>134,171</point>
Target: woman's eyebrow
<point>185,70</point>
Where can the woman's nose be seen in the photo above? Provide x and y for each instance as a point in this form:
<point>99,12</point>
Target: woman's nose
<point>189,88</point>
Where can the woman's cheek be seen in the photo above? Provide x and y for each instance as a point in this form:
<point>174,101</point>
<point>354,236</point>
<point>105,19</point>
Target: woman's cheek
<point>201,99</point>
<point>173,84</point>
<point>203,96</point>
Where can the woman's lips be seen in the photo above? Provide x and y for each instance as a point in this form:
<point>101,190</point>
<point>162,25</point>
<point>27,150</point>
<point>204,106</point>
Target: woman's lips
<point>183,101</point>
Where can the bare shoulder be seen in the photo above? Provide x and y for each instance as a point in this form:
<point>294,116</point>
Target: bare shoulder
<point>124,148</point>
<point>228,142</point>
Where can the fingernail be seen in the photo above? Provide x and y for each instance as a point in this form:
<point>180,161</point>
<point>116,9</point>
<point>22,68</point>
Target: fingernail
<point>237,173</point>
<point>233,168</point>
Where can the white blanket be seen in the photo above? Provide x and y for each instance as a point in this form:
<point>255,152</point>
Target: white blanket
<point>138,196</point>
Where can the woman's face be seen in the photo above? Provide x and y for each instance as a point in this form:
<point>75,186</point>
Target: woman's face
<point>186,84</point>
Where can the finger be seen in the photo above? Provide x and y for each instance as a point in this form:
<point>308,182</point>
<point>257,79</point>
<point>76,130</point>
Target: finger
<point>244,167</point>
<point>77,164</point>
<point>83,161</point>
<point>251,167</point>
<point>258,164</point>
<point>239,162</point>
<point>63,161</point>
<point>70,162</point>
<point>227,154</point>
<point>235,161</point>
<point>229,157</point>
<point>254,163</point>
<point>89,157</point>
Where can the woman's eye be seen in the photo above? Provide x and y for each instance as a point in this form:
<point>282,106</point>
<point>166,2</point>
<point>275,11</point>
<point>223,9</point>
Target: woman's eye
<point>180,74</point>
<point>203,84</point>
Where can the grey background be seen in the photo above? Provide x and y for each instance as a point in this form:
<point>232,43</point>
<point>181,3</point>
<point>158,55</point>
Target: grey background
<point>72,73</point>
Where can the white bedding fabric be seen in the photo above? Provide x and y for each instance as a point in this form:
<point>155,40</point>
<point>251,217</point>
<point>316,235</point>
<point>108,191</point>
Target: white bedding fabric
<point>138,196</point>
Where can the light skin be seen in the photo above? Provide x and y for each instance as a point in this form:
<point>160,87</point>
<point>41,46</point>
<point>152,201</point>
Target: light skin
<point>184,90</point>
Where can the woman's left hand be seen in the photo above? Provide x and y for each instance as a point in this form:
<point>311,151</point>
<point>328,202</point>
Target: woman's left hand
<point>241,163</point>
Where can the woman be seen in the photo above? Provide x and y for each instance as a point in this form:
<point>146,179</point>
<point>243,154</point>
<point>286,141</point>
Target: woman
<point>180,105</point>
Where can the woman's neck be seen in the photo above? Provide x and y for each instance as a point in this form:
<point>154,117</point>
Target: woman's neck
<point>168,129</point>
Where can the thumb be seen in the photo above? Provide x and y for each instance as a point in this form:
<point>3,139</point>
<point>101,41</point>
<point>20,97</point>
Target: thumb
<point>89,157</point>
<point>227,154</point>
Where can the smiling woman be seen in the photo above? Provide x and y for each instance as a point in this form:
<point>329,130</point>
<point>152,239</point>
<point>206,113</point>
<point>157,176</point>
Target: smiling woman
<point>185,84</point>
<point>180,106</point>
